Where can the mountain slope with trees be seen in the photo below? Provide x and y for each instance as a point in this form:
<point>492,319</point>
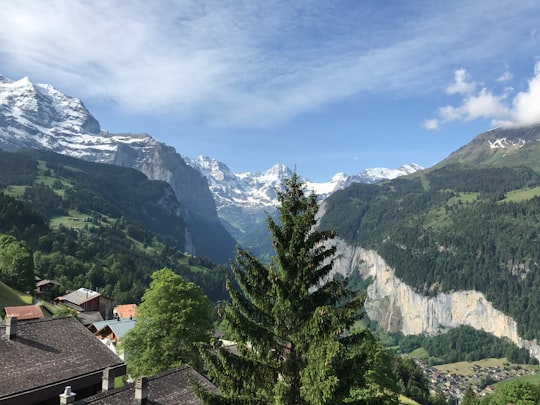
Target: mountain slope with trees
<point>37,116</point>
<point>94,225</point>
<point>470,223</point>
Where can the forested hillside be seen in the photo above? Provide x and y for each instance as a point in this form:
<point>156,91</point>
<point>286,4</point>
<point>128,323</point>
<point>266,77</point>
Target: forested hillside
<point>453,228</point>
<point>95,226</point>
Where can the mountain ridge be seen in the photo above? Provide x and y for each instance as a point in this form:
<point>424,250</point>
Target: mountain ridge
<point>40,117</point>
<point>37,116</point>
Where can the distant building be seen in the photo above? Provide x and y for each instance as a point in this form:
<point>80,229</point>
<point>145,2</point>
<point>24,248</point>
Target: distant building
<point>41,357</point>
<point>85,300</point>
<point>43,286</point>
<point>24,312</point>
<point>126,311</point>
<point>171,387</point>
<point>111,332</point>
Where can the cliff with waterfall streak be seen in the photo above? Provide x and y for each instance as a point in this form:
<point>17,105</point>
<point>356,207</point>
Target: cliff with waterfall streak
<point>397,308</point>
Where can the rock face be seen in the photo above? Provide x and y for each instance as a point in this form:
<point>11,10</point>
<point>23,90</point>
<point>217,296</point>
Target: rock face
<point>37,116</point>
<point>397,308</point>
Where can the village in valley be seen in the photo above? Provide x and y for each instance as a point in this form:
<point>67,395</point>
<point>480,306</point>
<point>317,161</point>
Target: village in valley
<point>108,323</point>
<point>454,379</point>
<point>78,356</point>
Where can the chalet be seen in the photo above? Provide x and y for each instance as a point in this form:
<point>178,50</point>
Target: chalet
<point>171,387</point>
<point>43,286</point>
<point>24,312</point>
<point>126,311</point>
<point>111,332</point>
<point>85,300</point>
<point>41,357</point>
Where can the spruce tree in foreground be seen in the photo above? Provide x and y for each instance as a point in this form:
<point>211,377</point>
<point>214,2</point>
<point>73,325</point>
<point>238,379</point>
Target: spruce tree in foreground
<point>292,323</point>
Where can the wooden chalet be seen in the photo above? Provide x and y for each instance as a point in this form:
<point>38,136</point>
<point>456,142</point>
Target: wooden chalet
<point>85,300</point>
<point>41,357</point>
<point>43,286</point>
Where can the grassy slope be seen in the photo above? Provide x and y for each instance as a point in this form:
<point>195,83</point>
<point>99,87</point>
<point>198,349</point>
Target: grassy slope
<point>10,297</point>
<point>406,401</point>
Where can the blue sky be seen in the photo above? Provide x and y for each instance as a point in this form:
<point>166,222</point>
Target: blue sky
<point>323,86</point>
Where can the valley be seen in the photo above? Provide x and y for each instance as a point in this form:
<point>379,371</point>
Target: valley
<point>433,250</point>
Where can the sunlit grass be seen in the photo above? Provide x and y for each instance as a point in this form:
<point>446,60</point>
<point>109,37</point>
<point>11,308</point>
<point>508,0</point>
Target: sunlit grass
<point>522,195</point>
<point>10,297</point>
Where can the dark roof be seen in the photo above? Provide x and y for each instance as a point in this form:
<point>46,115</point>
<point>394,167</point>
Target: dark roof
<point>89,317</point>
<point>45,282</point>
<point>168,388</point>
<point>23,312</point>
<point>49,351</point>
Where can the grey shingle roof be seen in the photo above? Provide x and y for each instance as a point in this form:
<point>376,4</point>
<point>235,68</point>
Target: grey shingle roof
<point>80,296</point>
<point>168,388</point>
<point>49,351</point>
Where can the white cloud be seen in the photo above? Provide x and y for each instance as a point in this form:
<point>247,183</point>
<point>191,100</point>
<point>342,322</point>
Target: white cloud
<point>526,104</point>
<point>431,124</point>
<point>483,105</point>
<point>505,77</point>
<point>502,109</point>
<point>460,85</point>
<point>249,62</point>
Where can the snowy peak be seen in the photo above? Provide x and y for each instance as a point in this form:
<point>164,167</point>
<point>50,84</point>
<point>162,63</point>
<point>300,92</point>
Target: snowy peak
<point>258,190</point>
<point>42,111</point>
<point>377,174</point>
<point>505,143</point>
<point>240,189</point>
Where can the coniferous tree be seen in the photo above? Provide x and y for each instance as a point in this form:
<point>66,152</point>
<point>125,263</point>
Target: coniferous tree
<point>291,323</point>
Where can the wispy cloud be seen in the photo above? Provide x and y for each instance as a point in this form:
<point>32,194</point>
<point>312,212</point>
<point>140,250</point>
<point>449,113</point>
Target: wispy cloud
<point>256,62</point>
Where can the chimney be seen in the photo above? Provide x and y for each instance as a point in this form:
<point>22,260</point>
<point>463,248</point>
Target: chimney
<point>141,390</point>
<point>11,327</point>
<point>107,379</point>
<point>67,397</point>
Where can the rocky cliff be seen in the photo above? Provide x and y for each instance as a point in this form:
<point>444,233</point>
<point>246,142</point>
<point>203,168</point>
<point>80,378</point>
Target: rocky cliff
<point>37,116</point>
<point>397,308</point>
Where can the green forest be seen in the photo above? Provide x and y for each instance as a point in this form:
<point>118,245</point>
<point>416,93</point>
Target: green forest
<point>94,226</point>
<point>98,226</point>
<point>454,228</point>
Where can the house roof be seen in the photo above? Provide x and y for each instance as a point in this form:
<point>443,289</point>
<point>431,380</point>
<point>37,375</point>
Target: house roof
<point>48,351</point>
<point>80,296</point>
<point>45,282</point>
<point>118,327</point>
<point>24,312</point>
<point>89,317</point>
<point>97,326</point>
<point>171,387</point>
<point>125,311</point>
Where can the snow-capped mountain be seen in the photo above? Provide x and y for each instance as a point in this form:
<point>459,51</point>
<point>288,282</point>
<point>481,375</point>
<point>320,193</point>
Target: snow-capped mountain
<point>257,190</point>
<point>38,116</point>
<point>244,199</point>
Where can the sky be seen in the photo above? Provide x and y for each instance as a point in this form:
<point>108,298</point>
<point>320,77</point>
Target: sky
<point>320,86</point>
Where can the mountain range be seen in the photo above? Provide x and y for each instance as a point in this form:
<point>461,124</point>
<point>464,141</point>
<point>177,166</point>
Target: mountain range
<point>454,244</point>
<point>37,116</point>
<point>243,200</point>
